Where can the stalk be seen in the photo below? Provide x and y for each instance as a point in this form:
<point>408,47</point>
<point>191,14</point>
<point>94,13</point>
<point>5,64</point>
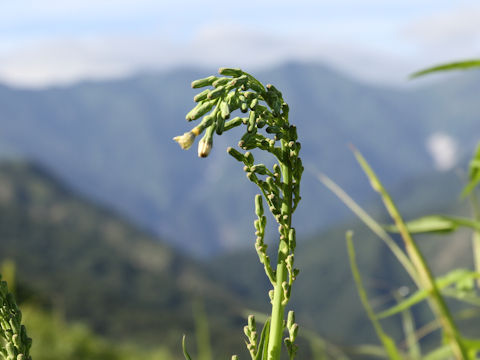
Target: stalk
<point>279,186</point>
<point>426,278</point>
<point>278,307</point>
<point>476,233</point>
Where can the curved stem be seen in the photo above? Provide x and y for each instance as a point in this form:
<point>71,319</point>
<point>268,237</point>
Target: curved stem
<point>278,307</point>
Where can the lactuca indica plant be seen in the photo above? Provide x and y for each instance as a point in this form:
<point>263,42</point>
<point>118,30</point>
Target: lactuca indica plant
<point>268,129</point>
<point>12,333</point>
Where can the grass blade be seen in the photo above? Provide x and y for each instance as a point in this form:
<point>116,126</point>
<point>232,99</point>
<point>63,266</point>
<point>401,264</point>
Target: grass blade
<point>374,226</point>
<point>427,224</point>
<point>372,351</point>
<point>453,277</point>
<point>184,348</point>
<point>387,342</point>
<point>263,344</point>
<point>426,278</point>
<point>437,224</point>
<point>202,333</point>
<point>442,353</point>
<point>408,323</point>
<point>458,65</point>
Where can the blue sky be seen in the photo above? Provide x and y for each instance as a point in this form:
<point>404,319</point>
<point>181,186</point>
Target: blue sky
<point>381,41</point>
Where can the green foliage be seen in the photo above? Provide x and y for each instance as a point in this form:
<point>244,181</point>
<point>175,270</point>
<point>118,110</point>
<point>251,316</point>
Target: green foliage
<point>437,224</point>
<point>15,344</point>
<point>434,290</point>
<point>459,65</point>
<point>387,342</point>
<point>57,340</point>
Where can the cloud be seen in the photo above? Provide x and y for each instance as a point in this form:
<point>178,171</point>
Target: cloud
<point>59,42</point>
<point>452,33</point>
<point>443,149</point>
<point>68,59</point>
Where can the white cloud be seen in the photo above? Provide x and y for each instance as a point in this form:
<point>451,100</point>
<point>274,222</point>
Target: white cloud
<point>63,60</point>
<point>454,31</point>
<point>57,42</point>
<point>443,149</point>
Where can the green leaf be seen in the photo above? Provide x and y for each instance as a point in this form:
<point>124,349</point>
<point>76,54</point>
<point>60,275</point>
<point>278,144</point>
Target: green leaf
<point>184,348</point>
<point>442,353</point>
<point>459,65</point>
<point>475,180</point>
<point>387,341</point>
<point>453,277</point>
<point>408,323</point>
<point>473,173</point>
<point>263,344</point>
<point>373,225</point>
<point>437,224</point>
<point>472,344</point>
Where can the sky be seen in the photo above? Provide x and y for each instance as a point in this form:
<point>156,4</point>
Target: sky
<point>51,42</point>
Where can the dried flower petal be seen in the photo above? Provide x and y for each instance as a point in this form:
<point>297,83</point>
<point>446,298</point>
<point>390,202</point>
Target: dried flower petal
<point>186,140</point>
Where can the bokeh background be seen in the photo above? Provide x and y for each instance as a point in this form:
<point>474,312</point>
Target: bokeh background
<point>119,242</point>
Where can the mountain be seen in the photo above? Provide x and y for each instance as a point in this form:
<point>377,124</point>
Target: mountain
<point>112,141</point>
<point>90,265</point>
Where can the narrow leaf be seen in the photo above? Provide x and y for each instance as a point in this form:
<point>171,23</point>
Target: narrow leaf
<point>374,226</point>
<point>452,277</point>
<point>475,180</point>
<point>387,342</point>
<point>442,353</point>
<point>408,323</point>
<point>459,65</point>
<point>437,224</point>
<point>184,348</point>
<point>263,344</point>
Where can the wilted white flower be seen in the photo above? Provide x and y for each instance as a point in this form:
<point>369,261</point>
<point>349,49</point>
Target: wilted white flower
<point>186,140</point>
<point>204,147</point>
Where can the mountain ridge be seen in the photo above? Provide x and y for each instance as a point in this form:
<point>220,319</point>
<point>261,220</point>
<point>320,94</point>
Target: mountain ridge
<point>112,142</point>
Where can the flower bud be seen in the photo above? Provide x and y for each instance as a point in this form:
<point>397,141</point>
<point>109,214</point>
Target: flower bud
<point>224,110</point>
<point>204,147</point>
<point>247,331</point>
<point>201,96</point>
<point>290,319</point>
<point>251,121</point>
<point>205,143</point>
<point>236,154</point>
<point>230,71</point>
<point>251,322</point>
<point>259,205</point>
<point>232,123</point>
<point>203,82</point>
<point>220,123</point>
<point>200,110</point>
<point>293,332</point>
<point>220,82</point>
<point>216,93</point>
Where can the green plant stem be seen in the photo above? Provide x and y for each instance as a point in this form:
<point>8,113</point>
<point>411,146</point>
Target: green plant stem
<point>278,307</point>
<point>476,233</point>
<point>425,275</point>
<point>387,342</point>
<point>278,311</point>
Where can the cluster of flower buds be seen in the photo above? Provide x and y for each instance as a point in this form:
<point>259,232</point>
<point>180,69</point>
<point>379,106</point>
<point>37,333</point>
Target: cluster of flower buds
<point>292,328</point>
<point>17,343</point>
<point>250,331</point>
<point>268,129</point>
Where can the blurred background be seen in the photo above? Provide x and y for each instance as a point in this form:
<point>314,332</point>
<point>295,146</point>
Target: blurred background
<point>119,242</point>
